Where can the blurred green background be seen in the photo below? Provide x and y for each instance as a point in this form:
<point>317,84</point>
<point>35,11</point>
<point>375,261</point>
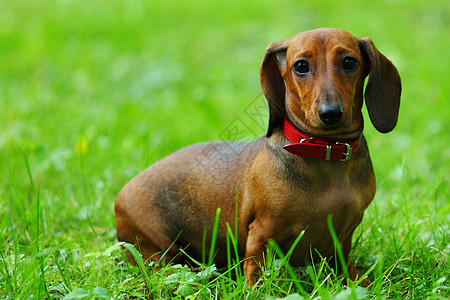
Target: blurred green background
<point>92,92</point>
<point>133,81</point>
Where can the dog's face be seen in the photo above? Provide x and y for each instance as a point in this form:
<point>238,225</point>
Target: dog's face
<point>320,83</point>
<point>324,75</point>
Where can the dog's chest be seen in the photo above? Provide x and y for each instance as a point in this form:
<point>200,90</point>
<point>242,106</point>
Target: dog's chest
<point>339,199</point>
<point>331,193</point>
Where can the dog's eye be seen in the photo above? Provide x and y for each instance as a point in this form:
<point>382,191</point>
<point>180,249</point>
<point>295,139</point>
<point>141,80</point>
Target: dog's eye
<point>349,63</point>
<point>301,67</point>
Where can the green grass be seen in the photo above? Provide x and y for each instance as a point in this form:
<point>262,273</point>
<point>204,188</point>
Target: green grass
<point>92,92</point>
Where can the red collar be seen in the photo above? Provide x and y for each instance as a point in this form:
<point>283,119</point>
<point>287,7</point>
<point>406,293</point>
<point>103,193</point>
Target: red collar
<point>318,147</point>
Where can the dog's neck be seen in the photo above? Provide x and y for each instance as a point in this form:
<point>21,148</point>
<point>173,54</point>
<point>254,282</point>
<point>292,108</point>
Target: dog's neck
<point>318,147</point>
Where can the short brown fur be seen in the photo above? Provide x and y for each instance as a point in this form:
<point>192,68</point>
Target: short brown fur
<point>278,194</point>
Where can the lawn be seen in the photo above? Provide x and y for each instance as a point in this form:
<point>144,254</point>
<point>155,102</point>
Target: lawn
<point>92,92</point>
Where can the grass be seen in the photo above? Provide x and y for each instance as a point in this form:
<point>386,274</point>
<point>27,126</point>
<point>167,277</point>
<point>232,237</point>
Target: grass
<point>92,92</point>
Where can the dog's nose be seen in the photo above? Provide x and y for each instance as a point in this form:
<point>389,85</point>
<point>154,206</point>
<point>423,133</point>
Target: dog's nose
<point>331,114</point>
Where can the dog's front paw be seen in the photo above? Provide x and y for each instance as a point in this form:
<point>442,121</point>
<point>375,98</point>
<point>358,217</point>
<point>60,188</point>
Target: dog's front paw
<point>251,271</point>
<point>354,275</point>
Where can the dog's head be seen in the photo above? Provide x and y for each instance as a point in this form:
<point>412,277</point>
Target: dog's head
<point>316,80</point>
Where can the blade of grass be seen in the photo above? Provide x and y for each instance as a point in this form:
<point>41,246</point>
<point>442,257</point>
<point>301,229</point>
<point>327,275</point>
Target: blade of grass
<point>236,215</point>
<point>214,237</point>
<point>140,262</point>
<point>366,274</point>
<point>297,240</point>
<point>62,273</point>
<point>190,257</point>
<point>285,261</point>
<point>235,247</point>
<point>38,234</point>
<point>228,249</point>
<point>170,247</point>
<point>6,274</point>
<point>205,230</point>
<point>30,175</point>
<point>337,247</point>
<point>340,254</point>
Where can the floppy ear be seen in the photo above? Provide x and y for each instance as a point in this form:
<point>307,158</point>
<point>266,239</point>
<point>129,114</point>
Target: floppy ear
<point>272,82</point>
<point>383,88</point>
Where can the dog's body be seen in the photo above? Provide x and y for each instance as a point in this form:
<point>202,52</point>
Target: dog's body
<point>308,81</point>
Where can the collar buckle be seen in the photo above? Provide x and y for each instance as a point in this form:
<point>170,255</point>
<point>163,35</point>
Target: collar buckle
<point>347,154</point>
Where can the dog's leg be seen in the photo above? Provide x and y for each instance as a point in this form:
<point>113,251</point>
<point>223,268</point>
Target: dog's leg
<point>148,238</point>
<point>258,237</point>
<point>353,272</point>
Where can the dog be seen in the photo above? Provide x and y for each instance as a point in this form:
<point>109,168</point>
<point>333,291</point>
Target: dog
<point>313,162</point>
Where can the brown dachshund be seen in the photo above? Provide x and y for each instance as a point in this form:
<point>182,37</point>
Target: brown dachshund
<point>313,162</point>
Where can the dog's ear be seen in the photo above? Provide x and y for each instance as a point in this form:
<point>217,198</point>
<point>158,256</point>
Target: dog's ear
<point>383,87</point>
<point>273,64</point>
